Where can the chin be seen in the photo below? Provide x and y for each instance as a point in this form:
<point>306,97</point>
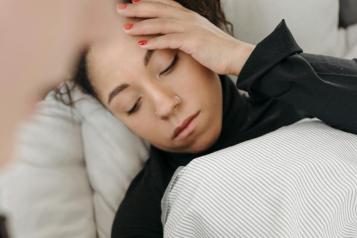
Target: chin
<point>201,146</point>
<point>205,141</point>
<point>193,148</point>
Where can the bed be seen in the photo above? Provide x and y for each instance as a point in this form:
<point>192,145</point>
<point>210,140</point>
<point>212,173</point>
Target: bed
<point>74,165</point>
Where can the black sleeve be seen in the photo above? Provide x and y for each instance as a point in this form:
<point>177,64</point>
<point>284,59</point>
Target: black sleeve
<point>317,86</point>
<point>139,214</point>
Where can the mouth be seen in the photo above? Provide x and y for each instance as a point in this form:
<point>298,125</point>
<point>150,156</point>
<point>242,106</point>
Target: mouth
<point>185,128</point>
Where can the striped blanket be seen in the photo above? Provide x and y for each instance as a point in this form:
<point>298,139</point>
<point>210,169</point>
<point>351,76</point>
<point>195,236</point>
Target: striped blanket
<point>299,181</point>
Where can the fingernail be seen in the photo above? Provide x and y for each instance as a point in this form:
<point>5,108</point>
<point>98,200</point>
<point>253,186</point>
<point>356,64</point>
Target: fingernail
<point>135,1</point>
<point>128,26</point>
<point>122,6</point>
<point>142,42</point>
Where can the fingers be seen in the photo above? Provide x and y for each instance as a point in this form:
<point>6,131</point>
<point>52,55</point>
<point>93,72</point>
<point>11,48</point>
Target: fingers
<point>166,19</point>
<point>155,26</point>
<point>151,9</point>
<point>167,2</point>
<point>170,41</point>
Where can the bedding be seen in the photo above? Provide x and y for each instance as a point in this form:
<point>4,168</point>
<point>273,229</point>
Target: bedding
<point>113,156</point>
<point>73,168</point>
<point>314,23</point>
<point>301,182</point>
<point>92,158</point>
<point>45,193</point>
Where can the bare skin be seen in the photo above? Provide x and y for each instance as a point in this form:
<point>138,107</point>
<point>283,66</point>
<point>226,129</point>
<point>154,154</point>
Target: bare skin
<point>40,41</point>
<point>159,96</point>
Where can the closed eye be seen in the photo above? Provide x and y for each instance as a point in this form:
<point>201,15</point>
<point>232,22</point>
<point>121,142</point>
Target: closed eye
<point>171,66</point>
<point>136,107</point>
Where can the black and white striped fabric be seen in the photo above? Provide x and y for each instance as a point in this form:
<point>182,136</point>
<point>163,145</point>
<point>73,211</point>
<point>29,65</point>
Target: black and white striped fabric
<point>299,181</point>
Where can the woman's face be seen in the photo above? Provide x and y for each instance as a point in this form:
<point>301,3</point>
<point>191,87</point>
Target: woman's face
<point>154,93</point>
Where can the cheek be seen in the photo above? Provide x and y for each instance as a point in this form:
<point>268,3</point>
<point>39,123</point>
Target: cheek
<point>195,77</point>
<point>200,87</point>
<point>139,125</point>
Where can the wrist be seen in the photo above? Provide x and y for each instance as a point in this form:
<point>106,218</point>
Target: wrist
<point>240,54</point>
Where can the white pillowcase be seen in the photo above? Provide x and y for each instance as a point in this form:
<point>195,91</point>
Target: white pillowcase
<point>113,155</point>
<point>74,166</point>
<point>298,181</point>
<point>314,24</point>
<point>45,193</point>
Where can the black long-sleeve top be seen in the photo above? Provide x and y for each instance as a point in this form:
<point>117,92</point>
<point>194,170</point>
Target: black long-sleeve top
<point>285,85</point>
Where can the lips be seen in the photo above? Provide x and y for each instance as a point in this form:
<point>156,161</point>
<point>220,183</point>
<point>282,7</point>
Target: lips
<point>184,124</point>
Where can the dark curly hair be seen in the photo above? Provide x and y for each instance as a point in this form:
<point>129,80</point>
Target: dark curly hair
<point>210,9</point>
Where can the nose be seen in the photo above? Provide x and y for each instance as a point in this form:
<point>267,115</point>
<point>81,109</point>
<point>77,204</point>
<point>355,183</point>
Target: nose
<point>164,100</point>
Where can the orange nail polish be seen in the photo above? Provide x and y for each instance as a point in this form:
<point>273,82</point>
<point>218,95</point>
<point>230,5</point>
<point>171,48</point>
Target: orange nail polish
<point>142,42</point>
<point>128,26</point>
<point>122,5</point>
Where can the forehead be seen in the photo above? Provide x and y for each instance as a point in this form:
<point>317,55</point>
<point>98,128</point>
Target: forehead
<point>120,60</point>
<point>121,49</point>
<point>112,60</point>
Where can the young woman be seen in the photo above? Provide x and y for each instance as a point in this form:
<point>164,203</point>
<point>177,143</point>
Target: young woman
<point>164,77</point>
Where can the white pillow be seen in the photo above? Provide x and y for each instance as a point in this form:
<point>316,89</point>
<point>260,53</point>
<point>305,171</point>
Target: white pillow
<point>113,155</point>
<point>74,167</point>
<point>298,181</point>
<point>314,24</point>
<point>45,192</point>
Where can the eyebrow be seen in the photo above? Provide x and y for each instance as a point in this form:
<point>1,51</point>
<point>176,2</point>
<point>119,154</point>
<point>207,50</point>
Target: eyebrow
<point>120,88</point>
<point>116,91</point>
